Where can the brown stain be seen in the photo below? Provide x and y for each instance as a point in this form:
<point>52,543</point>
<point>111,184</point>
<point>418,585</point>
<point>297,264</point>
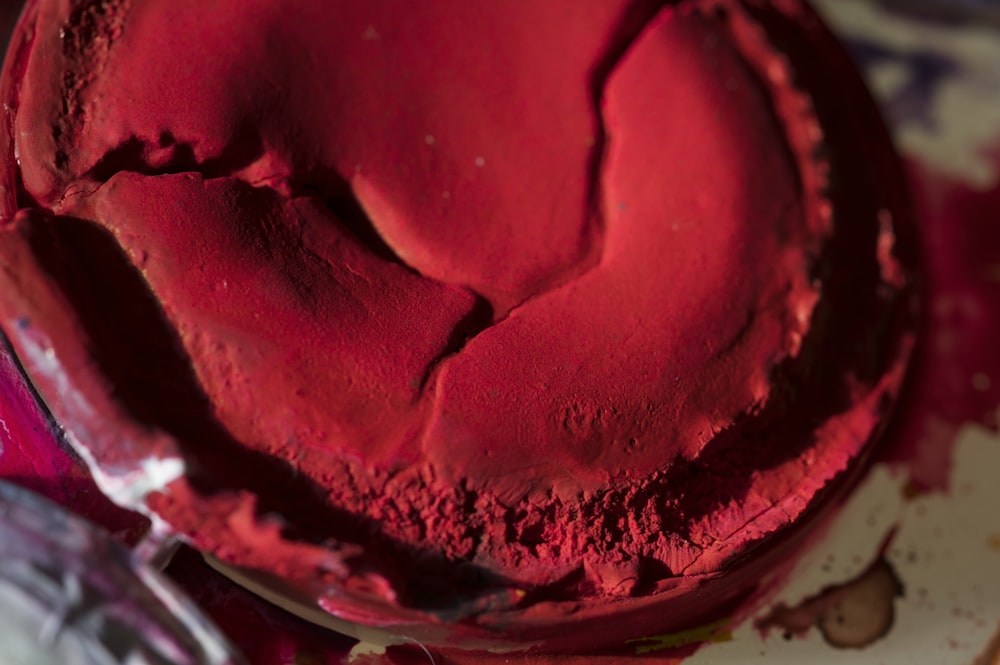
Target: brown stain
<point>990,655</point>
<point>913,490</point>
<point>852,615</point>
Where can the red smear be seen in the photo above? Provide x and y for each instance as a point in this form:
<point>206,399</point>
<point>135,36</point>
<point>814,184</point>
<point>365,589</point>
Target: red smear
<point>33,455</point>
<point>265,634</point>
<point>956,373</point>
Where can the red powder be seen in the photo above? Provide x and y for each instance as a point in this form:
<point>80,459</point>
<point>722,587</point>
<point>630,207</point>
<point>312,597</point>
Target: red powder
<point>471,320</point>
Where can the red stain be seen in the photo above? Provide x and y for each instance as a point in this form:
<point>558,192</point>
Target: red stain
<point>955,377</point>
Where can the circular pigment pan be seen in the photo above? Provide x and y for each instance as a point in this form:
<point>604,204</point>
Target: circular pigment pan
<point>500,325</point>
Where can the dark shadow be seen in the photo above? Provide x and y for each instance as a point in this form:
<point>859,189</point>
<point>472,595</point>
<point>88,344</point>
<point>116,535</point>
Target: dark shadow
<point>133,156</point>
<point>134,346</point>
<point>337,195</point>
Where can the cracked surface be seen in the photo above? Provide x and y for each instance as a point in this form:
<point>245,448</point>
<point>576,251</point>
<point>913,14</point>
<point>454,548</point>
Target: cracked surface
<point>545,303</point>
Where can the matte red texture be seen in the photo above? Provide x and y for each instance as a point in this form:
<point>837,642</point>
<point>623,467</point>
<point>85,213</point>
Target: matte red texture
<point>474,321</point>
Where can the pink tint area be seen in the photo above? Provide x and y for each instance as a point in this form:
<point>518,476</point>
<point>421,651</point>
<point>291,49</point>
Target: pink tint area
<point>33,456</point>
<point>262,633</point>
<point>956,371</point>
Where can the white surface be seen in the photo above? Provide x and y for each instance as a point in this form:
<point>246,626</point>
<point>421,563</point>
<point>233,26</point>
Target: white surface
<point>963,114</point>
<point>947,555</point>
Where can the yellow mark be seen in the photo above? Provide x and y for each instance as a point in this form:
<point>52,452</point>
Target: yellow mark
<point>713,632</point>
